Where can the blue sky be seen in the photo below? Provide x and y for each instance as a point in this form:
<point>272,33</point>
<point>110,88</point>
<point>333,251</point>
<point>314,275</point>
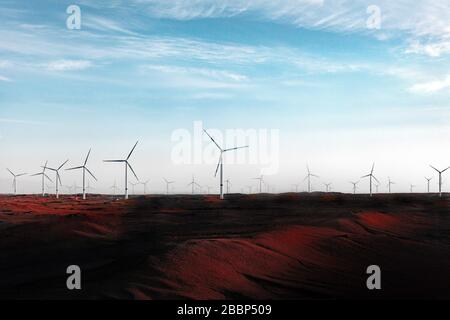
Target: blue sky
<point>342,95</point>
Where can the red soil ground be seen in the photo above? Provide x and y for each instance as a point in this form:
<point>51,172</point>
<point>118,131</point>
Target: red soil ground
<point>289,246</point>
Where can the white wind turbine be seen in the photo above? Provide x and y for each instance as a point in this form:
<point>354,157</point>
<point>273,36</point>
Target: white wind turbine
<point>168,183</point>
<point>411,188</point>
<point>145,185</point>
<point>114,187</point>
<point>58,177</point>
<point>127,165</point>
<point>194,184</point>
<point>440,178</point>
<point>327,186</point>
<point>308,176</point>
<point>44,175</point>
<point>370,176</point>
<point>428,183</point>
<point>390,183</point>
<point>354,183</point>
<point>261,182</point>
<point>84,168</point>
<point>15,176</point>
<point>228,185</point>
<point>220,163</point>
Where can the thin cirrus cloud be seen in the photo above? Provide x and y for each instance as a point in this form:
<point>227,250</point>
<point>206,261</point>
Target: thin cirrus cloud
<point>68,65</point>
<point>431,86</point>
<point>426,23</point>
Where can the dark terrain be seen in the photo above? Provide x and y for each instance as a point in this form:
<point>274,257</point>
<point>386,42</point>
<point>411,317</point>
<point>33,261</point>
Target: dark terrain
<point>287,246</point>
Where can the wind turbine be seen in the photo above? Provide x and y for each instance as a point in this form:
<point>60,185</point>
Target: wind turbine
<point>58,177</point>
<point>84,168</point>
<point>208,189</point>
<point>194,184</point>
<point>354,186</point>
<point>376,188</point>
<point>127,165</point>
<point>249,189</point>
<point>428,183</point>
<point>220,163</point>
<point>167,184</point>
<point>308,176</point>
<point>88,187</point>
<point>133,185</point>
<point>44,175</point>
<point>261,181</point>
<point>370,176</point>
<point>114,187</point>
<point>15,176</point>
<point>440,178</point>
<point>328,186</point>
<point>390,183</point>
<point>228,185</point>
<point>411,187</point>
<point>296,187</point>
<point>145,185</point>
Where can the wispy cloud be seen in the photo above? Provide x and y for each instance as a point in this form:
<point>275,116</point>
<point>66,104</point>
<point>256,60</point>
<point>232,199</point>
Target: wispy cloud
<point>5,79</point>
<point>431,86</point>
<point>68,65</point>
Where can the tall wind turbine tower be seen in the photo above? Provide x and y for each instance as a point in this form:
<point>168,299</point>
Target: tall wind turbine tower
<point>327,187</point>
<point>308,176</point>
<point>371,176</point>
<point>84,168</point>
<point>428,184</point>
<point>145,185</point>
<point>58,177</point>
<point>440,178</point>
<point>127,165</point>
<point>220,163</point>
<point>411,187</point>
<point>44,175</point>
<point>15,176</point>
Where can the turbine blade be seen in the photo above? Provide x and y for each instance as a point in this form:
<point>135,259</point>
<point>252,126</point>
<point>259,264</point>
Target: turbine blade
<point>212,140</point>
<point>367,175</point>
<point>91,173</point>
<point>58,178</point>
<point>47,177</point>
<point>434,168</point>
<point>10,172</point>
<point>133,171</point>
<point>22,174</point>
<point>114,160</point>
<point>63,164</point>
<point>87,157</point>
<point>375,179</point>
<point>445,169</point>
<point>129,155</point>
<point>36,174</point>
<point>236,148</point>
<point>75,168</point>
<point>218,164</point>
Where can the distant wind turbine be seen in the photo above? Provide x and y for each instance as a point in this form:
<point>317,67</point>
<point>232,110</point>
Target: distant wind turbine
<point>220,163</point>
<point>15,176</point>
<point>411,187</point>
<point>114,187</point>
<point>84,168</point>
<point>440,178</point>
<point>390,183</point>
<point>327,187</point>
<point>44,175</point>
<point>261,181</point>
<point>228,185</point>
<point>58,177</point>
<point>127,165</point>
<point>194,184</point>
<point>370,176</point>
<point>354,183</point>
<point>167,184</point>
<point>296,187</point>
<point>145,185</point>
<point>428,183</point>
<point>308,176</point>
<point>133,185</point>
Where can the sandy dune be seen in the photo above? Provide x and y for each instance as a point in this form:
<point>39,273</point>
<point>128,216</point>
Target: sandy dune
<point>289,246</point>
